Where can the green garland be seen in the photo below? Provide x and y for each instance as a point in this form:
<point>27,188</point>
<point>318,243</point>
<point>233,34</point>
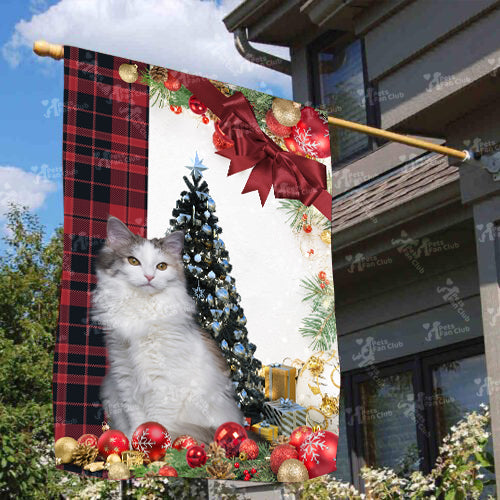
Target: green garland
<point>177,459</point>
<point>295,210</point>
<point>319,325</point>
<point>161,96</point>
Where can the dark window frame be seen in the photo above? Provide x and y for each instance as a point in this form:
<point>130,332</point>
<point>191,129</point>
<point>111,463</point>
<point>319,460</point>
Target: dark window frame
<point>421,365</point>
<point>335,38</point>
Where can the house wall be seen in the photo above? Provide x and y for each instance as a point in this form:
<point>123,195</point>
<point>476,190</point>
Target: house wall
<point>399,296</point>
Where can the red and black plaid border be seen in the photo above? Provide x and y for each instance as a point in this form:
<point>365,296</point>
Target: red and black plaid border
<point>105,161</point>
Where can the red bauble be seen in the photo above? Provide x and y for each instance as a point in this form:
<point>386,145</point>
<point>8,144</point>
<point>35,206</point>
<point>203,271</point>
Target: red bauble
<point>221,141</point>
<point>171,83</point>
<point>311,134</point>
<point>292,146</point>
<point>299,434</point>
<point>176,109</point>
<point>275,126</point>
<point>205,119</point>
<point>250,447</point>
<point>184,442</point>
<point>89,440</point>
<point>196,456</point>
<point>152,439</point>
<point>230,436</point>
<point>196,106</point>
<point>307,228</point>
<point>319,453</point>
<point>322,275</point>
<point>168,471</point>
<point>112,441</point>
<point>281,453</point>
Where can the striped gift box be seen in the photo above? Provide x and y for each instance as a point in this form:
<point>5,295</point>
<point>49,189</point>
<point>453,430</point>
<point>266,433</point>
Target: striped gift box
<point>286,414</point>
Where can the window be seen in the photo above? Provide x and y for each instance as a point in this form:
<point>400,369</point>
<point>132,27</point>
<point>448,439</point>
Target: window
<point>397,413</point>
<point>339,85</point>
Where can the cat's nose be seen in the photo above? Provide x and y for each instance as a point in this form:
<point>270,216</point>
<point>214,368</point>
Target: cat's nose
<point>148,277</point>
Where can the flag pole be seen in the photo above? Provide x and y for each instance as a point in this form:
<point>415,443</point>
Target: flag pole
<point>45,49</point>
<point>392,136</point>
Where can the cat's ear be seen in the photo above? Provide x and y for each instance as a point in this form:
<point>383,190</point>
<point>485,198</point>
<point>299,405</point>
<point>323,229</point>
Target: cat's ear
<point>174,242</point>
<point>118,234</point>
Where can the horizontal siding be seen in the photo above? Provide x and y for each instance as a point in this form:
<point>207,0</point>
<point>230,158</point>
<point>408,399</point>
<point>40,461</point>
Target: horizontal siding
<point>414,28</point>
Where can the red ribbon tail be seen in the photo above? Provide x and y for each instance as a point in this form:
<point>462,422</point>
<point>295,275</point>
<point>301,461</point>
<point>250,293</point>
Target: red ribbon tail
<point>261,180</point>
<point>323,203</point>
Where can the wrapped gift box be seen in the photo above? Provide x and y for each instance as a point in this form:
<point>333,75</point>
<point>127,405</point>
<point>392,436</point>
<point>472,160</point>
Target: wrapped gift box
<point>279,381</point>
<point>286,414</point>
<point>266,430</point>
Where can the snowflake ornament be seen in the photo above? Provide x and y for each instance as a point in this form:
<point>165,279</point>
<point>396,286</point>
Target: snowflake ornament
<point>313,445</point>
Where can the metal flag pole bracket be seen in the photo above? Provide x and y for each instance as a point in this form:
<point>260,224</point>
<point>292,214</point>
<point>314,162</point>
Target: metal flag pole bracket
<point>491,162</point>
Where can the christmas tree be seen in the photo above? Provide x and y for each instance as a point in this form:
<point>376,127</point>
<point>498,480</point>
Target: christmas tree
<point>209,282</point>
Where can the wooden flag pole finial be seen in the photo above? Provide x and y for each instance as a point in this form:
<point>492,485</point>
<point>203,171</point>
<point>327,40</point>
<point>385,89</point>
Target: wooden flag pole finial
<point>46,49</point>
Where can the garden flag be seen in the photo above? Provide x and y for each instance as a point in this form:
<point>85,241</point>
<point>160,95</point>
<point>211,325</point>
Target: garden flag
<point>196,329</point>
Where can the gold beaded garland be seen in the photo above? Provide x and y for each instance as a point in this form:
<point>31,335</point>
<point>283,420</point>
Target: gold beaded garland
<point>286,112</point>
<point>292,471</point>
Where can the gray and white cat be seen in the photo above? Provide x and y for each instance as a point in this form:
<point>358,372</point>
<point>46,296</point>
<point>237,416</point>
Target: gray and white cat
<point>162,367</point>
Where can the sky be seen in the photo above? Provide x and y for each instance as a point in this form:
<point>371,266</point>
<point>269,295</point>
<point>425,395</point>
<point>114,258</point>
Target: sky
<point>187,36</point>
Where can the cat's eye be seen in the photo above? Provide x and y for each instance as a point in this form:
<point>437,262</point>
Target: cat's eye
<point>133,261</point>
<point>162,266</point>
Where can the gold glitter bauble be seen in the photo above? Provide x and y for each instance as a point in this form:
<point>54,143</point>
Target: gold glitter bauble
<point>326,237</point>
<point>128,72</point>
<point>286,112</point>
<point>64,449</point>
<point>118,471</point>
<point>113,459</point>
<point>292,471</point>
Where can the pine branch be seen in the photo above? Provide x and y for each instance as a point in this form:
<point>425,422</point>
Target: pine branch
<point>295,210</point>
<point>164,97</point>
<point>320,327</point>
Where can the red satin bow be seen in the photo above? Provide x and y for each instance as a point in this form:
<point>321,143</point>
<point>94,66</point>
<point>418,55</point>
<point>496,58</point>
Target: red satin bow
<point>290,175</point>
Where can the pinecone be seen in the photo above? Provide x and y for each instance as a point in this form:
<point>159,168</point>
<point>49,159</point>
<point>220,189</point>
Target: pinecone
<point>215,451</point>
<point>84,455</point>
<point>222,87</point>
<point>158,74</point>
<point>220,469</point>
<point>280,440</point>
